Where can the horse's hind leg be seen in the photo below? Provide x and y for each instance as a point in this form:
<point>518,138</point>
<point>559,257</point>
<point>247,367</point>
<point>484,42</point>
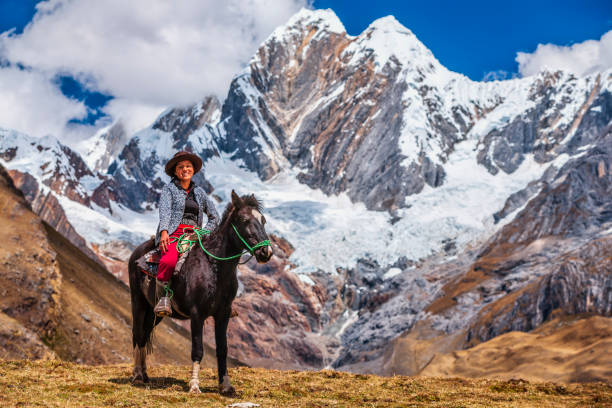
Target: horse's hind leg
<point>143,321</point>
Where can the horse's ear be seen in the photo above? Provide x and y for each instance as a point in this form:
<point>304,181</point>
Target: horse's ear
<point>236,200</point>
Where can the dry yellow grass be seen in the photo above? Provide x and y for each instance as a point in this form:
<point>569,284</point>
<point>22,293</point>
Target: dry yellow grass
<point>58,383</point>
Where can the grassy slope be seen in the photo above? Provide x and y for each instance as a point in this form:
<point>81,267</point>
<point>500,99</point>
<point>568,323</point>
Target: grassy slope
<point>56,383</point>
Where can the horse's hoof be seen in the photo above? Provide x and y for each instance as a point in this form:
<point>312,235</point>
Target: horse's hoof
<point>194,387</point>
<point>137,380</point>
<point>229,391</point>
<point>225,388</point>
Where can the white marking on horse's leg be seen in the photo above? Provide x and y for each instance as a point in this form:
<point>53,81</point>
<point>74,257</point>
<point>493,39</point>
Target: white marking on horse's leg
<point>194,383</point>
<point>257,215</point>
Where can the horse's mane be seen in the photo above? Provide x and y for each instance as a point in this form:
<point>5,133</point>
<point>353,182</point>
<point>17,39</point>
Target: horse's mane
<point>252,201</point>
<point>248,200</point>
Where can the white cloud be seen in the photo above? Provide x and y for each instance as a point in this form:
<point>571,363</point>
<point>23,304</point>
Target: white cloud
<point>31,103</point>
<point>582,58</point>
<point>135,115</point>
<point>149,54</point>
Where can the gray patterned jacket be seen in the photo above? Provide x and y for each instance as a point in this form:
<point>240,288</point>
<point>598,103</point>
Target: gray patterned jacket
<point>172,206</point>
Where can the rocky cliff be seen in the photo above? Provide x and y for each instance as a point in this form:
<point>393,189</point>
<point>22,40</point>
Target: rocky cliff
<point>551,260</point>
<point>280,316</point>
<point>30,277</point>
<point>48,208</point>
<point>569,222</point>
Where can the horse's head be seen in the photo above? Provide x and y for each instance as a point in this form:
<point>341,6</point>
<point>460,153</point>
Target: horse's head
<point>250,225</point>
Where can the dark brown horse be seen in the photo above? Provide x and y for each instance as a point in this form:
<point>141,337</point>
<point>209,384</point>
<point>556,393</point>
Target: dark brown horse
<point>204,287</point>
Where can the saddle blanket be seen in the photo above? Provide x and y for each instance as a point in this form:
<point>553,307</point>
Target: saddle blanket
<point>149,262</point>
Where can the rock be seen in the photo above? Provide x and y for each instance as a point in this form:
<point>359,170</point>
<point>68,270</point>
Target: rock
<point>19,342</point>
<point>49,209</point>
<point>579,282</point>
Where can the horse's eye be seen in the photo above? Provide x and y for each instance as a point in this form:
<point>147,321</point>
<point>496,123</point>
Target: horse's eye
<point>263,219</point>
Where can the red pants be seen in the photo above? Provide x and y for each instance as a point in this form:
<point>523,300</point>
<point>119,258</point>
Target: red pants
<point>170,257</point>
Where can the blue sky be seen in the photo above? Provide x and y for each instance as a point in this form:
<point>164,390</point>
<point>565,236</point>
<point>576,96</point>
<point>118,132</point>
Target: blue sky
<point>16,13</point>
<point>477,37</point>
<point>73,84</point>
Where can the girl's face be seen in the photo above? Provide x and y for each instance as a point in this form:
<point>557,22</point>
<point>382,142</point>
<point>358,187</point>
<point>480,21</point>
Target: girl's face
<point>184,170</point>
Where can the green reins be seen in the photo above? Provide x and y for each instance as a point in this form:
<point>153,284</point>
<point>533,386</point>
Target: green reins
<point>183,239</point>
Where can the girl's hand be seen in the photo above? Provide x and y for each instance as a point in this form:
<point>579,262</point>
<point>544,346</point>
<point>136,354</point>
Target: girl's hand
<point>164,241</point>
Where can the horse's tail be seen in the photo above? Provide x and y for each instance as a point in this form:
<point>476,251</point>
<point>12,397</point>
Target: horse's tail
<point>143,318</point>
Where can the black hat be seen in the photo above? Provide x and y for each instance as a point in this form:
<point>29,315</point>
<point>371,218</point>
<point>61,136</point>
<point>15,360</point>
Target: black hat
<point>180,156</point>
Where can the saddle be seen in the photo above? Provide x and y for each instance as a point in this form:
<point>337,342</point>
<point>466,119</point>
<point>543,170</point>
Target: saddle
<point>149,262</point>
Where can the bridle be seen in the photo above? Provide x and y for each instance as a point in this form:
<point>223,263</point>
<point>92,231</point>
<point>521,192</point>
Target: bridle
<point>184,243</point>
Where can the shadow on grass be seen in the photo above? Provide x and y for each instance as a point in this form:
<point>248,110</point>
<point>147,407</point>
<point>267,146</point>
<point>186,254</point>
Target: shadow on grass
<point>154,382</point>
<point>157,383</point>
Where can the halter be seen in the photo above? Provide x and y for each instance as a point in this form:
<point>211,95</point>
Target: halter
<point>202,232</point>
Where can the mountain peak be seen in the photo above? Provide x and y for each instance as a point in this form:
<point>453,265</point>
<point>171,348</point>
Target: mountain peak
<point>388,38</point>
<point>99,150</point>
<point>325,20</point>
<point>389,24</point>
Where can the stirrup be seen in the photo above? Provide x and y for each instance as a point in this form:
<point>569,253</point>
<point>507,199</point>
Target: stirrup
<point>163,307</point>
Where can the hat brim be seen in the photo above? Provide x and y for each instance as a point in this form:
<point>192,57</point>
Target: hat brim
<point>195,160</point>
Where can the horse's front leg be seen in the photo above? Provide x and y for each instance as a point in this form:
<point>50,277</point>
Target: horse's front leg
<point>197,351</point>
<point>225,386</point>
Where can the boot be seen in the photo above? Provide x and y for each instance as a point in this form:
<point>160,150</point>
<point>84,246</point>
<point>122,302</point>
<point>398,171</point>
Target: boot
<point>163,307</point>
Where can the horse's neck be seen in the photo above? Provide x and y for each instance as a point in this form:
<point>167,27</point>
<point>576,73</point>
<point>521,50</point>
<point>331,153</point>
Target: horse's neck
<point>225,245</point>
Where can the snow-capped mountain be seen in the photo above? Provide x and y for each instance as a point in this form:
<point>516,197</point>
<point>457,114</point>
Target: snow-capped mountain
<point>104,146</point>
<point>323,102</point>
<point>398,191</point>
<point>55,165</point>
<point>48,172</point>
<point>136,176</point>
